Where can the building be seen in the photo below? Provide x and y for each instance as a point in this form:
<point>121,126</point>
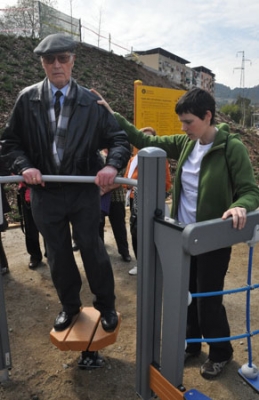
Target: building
<point>203,78</point>
<point>175,68</point>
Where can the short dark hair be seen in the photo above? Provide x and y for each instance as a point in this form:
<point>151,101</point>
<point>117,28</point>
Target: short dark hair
<point>197,102</point>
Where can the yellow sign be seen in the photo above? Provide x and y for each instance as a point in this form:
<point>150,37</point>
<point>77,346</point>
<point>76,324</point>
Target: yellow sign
<point>155,107</point>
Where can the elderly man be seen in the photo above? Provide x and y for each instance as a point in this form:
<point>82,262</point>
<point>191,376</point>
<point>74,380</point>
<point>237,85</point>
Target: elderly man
<point>57,128</point>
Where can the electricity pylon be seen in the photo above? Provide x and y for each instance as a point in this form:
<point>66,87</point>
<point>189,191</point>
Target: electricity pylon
<point>242,85</point>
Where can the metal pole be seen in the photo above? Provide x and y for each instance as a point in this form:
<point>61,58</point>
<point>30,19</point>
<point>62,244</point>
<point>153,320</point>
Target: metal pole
<point>151,199</point>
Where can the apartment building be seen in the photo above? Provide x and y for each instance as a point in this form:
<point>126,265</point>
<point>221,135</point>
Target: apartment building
<point>175,68</point>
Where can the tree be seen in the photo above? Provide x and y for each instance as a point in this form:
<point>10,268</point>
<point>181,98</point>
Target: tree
<point>233,111</point>
<point>245,106</point>
<point>22,19</point>
<point>240,111</point>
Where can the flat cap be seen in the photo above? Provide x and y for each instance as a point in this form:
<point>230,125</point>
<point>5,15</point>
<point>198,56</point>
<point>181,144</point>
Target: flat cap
<point>56,43</point>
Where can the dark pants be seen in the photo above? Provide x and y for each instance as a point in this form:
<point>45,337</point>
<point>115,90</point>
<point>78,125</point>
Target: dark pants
<point>54,208</point>
<point>207,315</point>
<point>117,219</point>
<point>31,233</point>
<point>3,258</point>
<point>134,237</point>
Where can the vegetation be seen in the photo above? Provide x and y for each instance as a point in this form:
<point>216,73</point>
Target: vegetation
<point>240,111</point>
<point>23,19</point>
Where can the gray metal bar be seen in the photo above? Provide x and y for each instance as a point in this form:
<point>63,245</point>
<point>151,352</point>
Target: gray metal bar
<point>67,179</point>
<point>215,234</point>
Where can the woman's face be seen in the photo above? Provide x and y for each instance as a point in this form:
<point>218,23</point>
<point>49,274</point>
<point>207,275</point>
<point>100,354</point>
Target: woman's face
<point>195,127</point>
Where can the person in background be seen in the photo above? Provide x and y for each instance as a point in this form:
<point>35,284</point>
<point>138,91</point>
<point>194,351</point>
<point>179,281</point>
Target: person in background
<point>132,173</point>
<point>29,228</point>
<point>4,267</point>
<point>57,128</point>
<point>214,179</point>
<point>115,211</point>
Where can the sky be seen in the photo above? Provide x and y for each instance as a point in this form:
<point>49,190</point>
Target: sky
<point>221,35</point>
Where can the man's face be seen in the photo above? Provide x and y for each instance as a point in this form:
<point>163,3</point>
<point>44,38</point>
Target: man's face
<point>58,68</point>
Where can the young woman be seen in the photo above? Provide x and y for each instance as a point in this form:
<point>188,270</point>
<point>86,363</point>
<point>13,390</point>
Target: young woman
<point>214,179</point>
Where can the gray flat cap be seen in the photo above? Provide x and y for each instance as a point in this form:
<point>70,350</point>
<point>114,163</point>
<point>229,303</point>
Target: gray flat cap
<point>56,43</point>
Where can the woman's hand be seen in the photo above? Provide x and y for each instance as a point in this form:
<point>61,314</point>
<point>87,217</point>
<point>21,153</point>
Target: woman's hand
<point>239,216</point>
<point>102,101</point>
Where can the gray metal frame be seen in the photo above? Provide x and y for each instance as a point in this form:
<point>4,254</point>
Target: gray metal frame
<point>164,251</point>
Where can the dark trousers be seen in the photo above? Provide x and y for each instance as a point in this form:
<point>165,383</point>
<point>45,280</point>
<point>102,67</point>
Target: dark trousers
<point>3,258</point>
<point>134,237</point>
<point>31,232</point>
<point>117,219</point>
<point>54,209</point>
<point>207,315</point>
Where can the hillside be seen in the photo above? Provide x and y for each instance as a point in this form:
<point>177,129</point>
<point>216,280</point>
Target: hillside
<point>224,94</point>
<point>110,74</point>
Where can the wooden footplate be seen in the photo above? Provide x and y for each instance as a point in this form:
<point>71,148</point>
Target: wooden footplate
<point>84,333</point>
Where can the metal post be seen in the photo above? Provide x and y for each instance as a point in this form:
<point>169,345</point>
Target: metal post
<point>5,355</point>
<point>151,198</point>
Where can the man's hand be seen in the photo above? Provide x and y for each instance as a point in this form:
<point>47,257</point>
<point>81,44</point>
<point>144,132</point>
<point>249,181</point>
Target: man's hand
<point>105,177</point>
<point>32,176</point>
<point>239,216</point>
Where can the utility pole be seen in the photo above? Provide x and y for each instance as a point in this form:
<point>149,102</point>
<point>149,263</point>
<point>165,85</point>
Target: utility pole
<point>242,85</point>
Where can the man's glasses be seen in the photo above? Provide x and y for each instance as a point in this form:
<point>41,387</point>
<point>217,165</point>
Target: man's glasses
<point>51,58</point>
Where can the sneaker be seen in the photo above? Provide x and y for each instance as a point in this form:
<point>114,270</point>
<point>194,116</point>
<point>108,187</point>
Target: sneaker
<point>211,369</point>
<point>133,271</point>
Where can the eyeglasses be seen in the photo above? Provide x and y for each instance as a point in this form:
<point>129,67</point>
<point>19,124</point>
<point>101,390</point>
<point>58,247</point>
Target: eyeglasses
<point>51,58</point>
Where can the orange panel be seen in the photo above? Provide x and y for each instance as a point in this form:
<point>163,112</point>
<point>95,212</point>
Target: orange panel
<point>164,389</point>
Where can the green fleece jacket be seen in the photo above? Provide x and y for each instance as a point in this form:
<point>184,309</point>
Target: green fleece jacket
<point>226,172</point>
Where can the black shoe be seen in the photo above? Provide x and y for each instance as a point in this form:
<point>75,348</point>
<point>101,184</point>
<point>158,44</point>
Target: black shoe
<point>109,320</point>
<point>90,360</point>
<point>63,320</point>
<point>33,264</point>
<point>126,258</point>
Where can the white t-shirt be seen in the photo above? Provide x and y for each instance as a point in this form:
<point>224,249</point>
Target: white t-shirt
<point>190,181</point>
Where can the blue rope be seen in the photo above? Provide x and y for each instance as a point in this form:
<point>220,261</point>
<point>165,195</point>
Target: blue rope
<point>248,289</point>
<point>229,291</point>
